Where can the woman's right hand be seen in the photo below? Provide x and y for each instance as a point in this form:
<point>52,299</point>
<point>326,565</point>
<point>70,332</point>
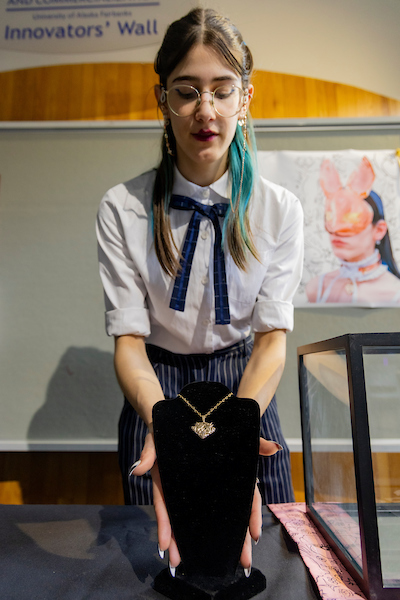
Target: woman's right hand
<point>166,540</point>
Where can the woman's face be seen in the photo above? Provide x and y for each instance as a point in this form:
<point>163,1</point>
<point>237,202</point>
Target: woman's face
<point>358,247</point>
<point>203,139</point>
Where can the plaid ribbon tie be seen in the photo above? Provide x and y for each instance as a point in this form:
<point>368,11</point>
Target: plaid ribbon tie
<point>222,315</point>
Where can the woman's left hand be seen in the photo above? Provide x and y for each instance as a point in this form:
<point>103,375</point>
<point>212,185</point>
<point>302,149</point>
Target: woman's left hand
<point>267,448</point>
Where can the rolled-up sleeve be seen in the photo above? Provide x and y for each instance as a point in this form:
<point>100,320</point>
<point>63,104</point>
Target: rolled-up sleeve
<point>124,290</point>
<point>274,306</point>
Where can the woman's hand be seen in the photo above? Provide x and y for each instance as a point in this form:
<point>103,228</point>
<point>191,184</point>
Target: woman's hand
<point>140,385</point>
<point>253,531</point>
<point>166,540</point>
<point>267,448</point>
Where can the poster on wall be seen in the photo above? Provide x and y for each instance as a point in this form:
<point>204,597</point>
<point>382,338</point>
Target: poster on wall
<point>46,32</point>
<point>351,203</point>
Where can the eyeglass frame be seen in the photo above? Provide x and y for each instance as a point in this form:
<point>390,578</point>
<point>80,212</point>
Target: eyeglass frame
<point>164,98</point>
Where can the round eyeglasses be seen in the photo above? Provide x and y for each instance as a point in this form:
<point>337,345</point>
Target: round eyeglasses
<point>184,100</point>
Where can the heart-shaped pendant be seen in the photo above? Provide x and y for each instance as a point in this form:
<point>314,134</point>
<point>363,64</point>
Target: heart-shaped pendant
<point>203,429</point>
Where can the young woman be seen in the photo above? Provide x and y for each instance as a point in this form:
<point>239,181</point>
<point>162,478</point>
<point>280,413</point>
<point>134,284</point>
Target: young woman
<point>358,232</point>
<point>197,254</point>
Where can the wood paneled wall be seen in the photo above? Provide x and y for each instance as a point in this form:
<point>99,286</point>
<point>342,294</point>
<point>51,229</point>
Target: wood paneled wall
<point>77,478</point>
<point>94,477</point>
<point>125,91</point>
<point>60,478</point>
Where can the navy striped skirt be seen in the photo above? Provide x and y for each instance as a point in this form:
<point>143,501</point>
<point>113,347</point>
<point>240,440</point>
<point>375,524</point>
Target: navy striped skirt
<point>176,370</point>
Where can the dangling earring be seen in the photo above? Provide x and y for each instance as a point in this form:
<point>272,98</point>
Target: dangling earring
<point>166,123</point>
<point>243,124</point>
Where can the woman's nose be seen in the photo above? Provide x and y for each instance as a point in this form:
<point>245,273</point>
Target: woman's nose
<point>206,108</point>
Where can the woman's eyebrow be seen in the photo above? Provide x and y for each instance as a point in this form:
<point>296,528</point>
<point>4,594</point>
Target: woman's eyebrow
<point>195,79</point>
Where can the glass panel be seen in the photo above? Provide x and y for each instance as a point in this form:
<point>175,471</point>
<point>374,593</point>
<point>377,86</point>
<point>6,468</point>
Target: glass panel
<point>325,377</point>
<point>382,382</point>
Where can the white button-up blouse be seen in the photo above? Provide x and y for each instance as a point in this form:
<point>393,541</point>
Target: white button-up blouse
<point>137,291</point>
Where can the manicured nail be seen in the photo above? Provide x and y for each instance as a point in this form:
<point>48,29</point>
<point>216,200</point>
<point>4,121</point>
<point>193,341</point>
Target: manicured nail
<point>277,444</point>
<point>161,553</point>
<point>133,467</point>
<point>172,570</point>
<point>259,538</point>
<point>247,572</point>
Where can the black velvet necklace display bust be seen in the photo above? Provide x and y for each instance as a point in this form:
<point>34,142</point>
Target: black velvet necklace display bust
<point>208,486</point>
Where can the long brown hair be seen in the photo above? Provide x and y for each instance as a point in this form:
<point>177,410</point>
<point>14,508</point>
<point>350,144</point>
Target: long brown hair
<point>203,26</point>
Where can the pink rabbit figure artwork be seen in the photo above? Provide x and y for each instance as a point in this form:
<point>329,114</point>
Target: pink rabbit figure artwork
<point>359,237</point>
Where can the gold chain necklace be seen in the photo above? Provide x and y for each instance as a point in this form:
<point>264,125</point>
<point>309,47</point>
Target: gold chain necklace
<point>203,428</point>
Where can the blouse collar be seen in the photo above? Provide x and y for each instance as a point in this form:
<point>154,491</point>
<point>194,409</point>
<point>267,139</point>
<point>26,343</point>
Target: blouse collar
<point>210,194</point>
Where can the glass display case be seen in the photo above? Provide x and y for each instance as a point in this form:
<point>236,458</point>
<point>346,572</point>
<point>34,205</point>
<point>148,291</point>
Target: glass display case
<point>350,410</point>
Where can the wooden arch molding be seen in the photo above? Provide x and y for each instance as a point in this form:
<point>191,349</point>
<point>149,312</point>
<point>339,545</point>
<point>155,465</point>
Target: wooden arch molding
<point>114,91</point>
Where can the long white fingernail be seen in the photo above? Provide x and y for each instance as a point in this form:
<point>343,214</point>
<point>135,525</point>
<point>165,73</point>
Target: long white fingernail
<point>247,572</point>
<point>259,538</point>
<point>172,570</point>
<point>160,552</point>
<point>133,467</point>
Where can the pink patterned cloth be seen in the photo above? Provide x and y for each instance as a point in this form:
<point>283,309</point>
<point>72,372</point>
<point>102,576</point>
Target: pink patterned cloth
<point>332,579</point>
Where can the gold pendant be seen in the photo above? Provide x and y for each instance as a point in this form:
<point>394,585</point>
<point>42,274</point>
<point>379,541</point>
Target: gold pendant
<point>203,429</point>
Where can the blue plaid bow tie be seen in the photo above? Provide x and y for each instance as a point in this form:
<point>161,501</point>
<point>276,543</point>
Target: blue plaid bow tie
<point>222,316</point>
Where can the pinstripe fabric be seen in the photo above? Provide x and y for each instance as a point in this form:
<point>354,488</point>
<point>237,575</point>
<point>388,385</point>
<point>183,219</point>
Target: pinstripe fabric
<point>176,370</point>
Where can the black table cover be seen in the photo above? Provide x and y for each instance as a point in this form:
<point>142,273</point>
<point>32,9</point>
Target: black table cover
<point>110,552</point>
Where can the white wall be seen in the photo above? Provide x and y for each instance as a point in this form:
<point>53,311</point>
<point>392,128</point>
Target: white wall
<point>58,388</point>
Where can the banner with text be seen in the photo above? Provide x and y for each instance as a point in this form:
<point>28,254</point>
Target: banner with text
<point>79,26</point>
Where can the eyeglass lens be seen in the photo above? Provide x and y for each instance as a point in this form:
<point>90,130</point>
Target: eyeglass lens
<point>183,100</point>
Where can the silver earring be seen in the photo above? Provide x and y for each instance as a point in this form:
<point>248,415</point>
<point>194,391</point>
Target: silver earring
<point>166,123</point>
